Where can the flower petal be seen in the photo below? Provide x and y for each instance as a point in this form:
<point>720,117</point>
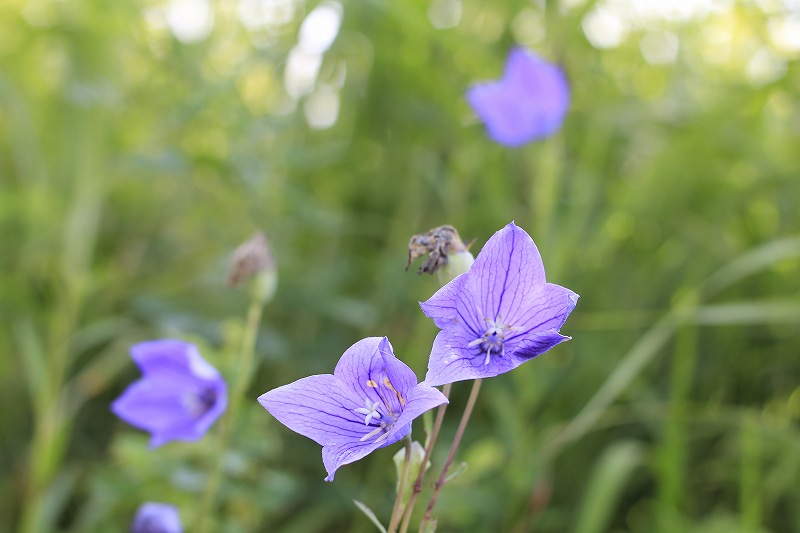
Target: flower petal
<point>506,271</point>
<point>159,407</point>
<point>363,369</point>
<point>449,365</point>
<point>422,398</point>
<point>337,455</point>
<point>534,344</point>
<point>441,307</point>
<point>156,517</point>
<point>542,91</point>
<point>204,422</point>
<point>163,355</point>
<point>496,106</point>
<point>319,407</point>
<point>452,360</point>
<point>401,377</point>
<point>547,308</point>
<point>453,306</point>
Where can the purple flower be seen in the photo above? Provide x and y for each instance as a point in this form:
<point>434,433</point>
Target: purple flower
<point>368,403</point>
<point>156,518</point>
<point>499,314</point>
<point>527,104</point>
<point>179,396</point>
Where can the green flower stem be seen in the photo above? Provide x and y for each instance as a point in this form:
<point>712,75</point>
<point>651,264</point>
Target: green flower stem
<point>437,425</point>
<point>245,367</point>
<point>473,396</point>
<point>545,188</point>
<point>401,488</point>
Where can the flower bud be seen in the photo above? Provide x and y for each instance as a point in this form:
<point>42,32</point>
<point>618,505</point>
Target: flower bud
<point>253,259</point>
<point>417,455</point>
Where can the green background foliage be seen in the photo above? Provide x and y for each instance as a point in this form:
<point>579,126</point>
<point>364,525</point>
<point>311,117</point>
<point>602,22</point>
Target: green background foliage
<point>132,163</point>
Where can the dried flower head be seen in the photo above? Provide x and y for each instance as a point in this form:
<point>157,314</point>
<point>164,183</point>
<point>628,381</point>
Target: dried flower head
<point>439,243</point>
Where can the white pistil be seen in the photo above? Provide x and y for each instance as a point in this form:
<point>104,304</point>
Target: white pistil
<point>371,411</point>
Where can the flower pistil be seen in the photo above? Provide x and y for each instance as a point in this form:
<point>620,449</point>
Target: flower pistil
<point>493,338</point>
<point>371,411</point>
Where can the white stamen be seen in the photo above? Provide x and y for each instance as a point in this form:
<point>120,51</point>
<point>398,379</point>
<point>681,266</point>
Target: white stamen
<point>382,437</point>
<point>373,432</point>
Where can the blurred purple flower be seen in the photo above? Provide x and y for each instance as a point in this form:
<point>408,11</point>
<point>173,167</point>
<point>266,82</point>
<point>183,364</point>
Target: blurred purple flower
<point>527,104</point>
<point>179,395</point>
<point>367,403</point>
<point>157,518</point>
<point>499,314</point>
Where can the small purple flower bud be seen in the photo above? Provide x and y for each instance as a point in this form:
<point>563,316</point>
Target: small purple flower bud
<point>157,518</point>
<point>179,395</point>
<point>527,104</point>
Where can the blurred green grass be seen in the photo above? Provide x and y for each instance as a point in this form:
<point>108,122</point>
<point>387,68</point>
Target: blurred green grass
<point>132,163</point>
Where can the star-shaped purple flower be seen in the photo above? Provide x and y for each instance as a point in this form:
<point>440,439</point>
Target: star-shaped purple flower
<point>179,395</point>
<point>527,104</point>
<point>368,403</point>
<point>497,315</point>
<point>157,518</point>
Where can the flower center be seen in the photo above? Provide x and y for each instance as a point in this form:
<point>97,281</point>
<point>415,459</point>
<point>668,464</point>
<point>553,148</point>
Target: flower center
<point>383,422</point>
<point>201,402</point>
<point>493,339</point>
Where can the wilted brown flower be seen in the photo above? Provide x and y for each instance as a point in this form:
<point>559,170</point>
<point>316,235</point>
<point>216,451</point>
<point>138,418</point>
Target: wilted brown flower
<point>439,243</point>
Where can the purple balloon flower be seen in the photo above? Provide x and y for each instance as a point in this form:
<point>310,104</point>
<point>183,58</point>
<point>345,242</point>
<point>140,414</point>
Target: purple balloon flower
<point>527,104</point>
<point>497,315</point>
<point>157,518</point>
<point>179,396</point>
<point>368,403</point>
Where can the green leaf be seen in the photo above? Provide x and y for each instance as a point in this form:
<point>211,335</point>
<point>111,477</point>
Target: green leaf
<point>34,364</point>
<point>758,312</point>
<point>371,515</point>
<point>457,472</point>
<point>606,484</point>
<point>430,526</point>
